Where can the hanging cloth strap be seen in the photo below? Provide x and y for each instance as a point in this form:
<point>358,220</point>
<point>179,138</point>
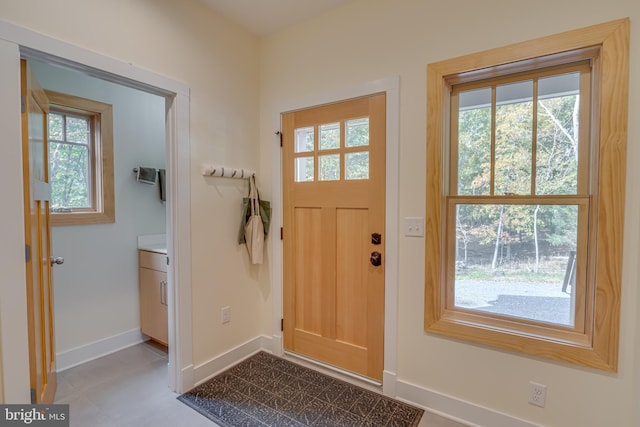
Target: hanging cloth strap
<point>254,229</point>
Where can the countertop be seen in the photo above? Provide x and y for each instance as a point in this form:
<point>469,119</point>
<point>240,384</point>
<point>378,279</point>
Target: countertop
<point>160,249</point>
<point>153,243</point>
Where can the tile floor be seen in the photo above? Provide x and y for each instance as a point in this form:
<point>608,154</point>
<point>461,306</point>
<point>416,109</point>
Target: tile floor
<point>129,388</point>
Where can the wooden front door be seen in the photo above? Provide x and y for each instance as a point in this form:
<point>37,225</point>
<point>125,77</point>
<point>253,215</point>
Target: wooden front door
<point>333,217</point>
<point>37,193</point>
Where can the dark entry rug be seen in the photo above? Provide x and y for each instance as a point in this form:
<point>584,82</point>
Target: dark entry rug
<point>266,390</point>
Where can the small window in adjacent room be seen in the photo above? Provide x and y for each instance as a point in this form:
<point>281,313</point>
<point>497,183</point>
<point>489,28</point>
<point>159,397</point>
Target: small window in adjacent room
<point>525,195</point>
<point>80,160</point>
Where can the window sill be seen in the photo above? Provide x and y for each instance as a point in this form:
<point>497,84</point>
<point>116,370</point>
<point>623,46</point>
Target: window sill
<point>528,338</point>
<point>83,218</point>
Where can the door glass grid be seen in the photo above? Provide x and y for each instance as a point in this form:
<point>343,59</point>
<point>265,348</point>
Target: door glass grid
<point>352,154</point>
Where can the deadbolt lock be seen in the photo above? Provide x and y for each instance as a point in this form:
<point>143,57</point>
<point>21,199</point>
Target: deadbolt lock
<point>376,259</point>
<point>376,238</point>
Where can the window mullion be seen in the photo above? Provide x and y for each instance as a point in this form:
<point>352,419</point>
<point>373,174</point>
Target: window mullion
<point>534,136</point>
<point>493,141</point>
<point>454,146</point>
<point>64,127</point>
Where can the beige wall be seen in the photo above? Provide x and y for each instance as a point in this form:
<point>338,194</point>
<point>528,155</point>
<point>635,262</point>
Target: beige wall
<point>187,42</point>
<point>236,81</point>
<point>366,40</point>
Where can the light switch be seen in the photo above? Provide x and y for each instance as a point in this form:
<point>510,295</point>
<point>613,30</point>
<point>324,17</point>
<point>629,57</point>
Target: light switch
<point>414,227</point>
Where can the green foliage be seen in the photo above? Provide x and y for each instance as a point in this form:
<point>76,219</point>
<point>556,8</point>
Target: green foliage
<point>508,231</point>
<point>474,152</point>
<point>329,167</point>
<point>69,155</point>
<point>357,132</point>
<point>513,149</point>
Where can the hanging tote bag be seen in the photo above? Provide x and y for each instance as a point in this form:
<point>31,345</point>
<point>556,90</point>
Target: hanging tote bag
<point>265,215</point>
<point>254,229</point>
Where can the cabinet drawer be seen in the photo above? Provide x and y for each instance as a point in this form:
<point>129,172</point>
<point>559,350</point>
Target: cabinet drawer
<point>152,260</point>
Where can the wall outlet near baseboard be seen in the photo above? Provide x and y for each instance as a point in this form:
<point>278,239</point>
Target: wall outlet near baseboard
<point>537,394</point>
<point>225,314</point>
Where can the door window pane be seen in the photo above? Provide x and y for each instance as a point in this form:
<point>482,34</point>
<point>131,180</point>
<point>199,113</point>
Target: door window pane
<point>558,131</point>
<point>303,169</point>
<point>474,142</point>
<point>357,132</point>
<point>517,260</point>
<point>330,136</point>
<point>304,139</point>
<point>514,130</point>
<point>329,167</point>
<point>357,165</point>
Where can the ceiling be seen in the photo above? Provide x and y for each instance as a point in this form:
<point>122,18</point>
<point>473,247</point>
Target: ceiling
<point>262,17</point>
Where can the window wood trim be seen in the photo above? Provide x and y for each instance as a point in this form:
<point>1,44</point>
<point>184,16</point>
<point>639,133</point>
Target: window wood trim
<point>598,349</point>
<point>102,160</point>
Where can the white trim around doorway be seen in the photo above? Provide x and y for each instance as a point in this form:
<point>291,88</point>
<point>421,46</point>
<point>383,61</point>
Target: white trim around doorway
<point>16,41</point>
<point>391,86</point>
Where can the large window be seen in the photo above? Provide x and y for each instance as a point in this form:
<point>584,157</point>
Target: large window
<point>525,195</point>
<point>518,199</point>
<point>80,160</point>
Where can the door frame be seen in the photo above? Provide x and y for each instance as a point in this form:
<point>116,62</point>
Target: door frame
<point>17,42</point>
<point>390,86</point>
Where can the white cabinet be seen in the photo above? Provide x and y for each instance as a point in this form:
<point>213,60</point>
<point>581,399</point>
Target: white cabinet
<point>153,295</point>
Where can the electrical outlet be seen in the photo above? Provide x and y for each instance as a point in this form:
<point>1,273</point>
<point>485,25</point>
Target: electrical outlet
<point>225,314</point>
<point>537,394</point>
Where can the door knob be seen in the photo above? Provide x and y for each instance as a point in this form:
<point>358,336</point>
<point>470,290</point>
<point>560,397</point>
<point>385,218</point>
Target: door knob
<point>57,260</point>
<point>376,259</point>
<point>376,238</point>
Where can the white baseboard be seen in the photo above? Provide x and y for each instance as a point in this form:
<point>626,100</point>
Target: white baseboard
<point>276,345</point>
<point>212,367</point>
<point>389,384</point>
<point>456,409</point>
<point>186,380</point>
<point>85,353</point>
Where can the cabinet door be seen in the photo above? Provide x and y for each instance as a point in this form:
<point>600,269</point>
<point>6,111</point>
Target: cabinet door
<point>153,304</point>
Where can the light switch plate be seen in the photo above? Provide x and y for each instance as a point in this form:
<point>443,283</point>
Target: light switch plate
<point>414,227</point>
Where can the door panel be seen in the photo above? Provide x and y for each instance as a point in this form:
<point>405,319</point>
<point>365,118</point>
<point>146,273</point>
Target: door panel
<point>308,269</point>
<point>37,193</point>
<point>351,301</point>
<point>334,200</point>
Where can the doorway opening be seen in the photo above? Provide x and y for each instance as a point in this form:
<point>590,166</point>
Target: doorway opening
<point>96,292</point>
<point>17,43</point>
<point>97,296</point>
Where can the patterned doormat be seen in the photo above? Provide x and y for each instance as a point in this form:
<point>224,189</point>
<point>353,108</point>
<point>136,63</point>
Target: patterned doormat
<point>265,390</point>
